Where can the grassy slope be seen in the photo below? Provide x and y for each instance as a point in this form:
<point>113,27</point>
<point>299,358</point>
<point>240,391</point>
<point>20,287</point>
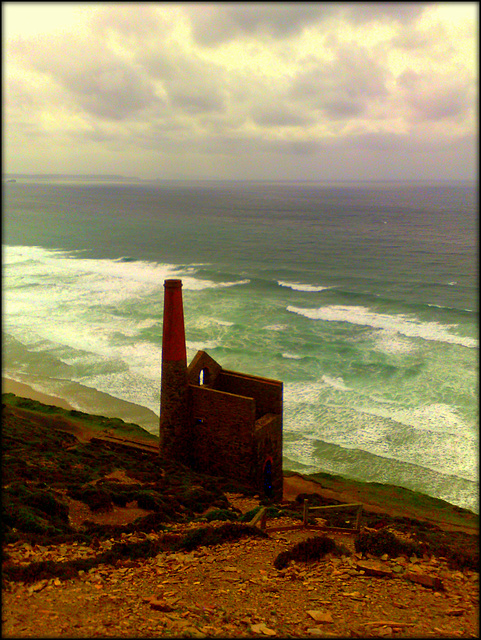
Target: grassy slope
<point>41,462</point>
<point>394,498</point>
<point>80,419</point>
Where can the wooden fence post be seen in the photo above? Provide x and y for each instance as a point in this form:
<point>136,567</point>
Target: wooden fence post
<point>358,518</point>
<point>305,513</point>
<point>260,515</point>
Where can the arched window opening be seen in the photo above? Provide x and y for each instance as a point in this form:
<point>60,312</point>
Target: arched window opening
<point>204,376</point>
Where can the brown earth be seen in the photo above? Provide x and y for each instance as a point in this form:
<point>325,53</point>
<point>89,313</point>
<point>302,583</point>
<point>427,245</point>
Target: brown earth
<point>233,590</point>
<point>294,484</point>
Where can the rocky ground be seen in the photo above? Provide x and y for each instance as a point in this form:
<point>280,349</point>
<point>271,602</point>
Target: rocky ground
<point>227,589</point>
<point>233,590</point>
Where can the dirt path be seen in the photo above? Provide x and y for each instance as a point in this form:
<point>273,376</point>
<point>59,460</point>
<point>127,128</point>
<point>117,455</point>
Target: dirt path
<point>233,590</point>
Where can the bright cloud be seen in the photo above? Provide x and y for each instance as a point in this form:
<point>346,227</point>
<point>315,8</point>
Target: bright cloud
<point>269,90</point>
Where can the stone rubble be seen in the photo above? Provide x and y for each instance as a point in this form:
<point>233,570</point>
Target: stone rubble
<point>232,589</point>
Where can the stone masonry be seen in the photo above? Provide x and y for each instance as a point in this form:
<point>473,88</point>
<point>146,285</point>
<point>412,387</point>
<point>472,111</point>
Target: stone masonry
<point>217,421</point>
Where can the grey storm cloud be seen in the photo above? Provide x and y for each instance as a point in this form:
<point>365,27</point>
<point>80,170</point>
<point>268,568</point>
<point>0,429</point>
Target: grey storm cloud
<point>218,23</point>
<point>222,141</point>
<point>433,99</point>
<point>296,147</point>
<point>97,80</point>
<point>227,143</point>
<point>412,40</point>
<point>442,103</point>
<point>280,116</point>
<point>110,90</point>
<point>136,21</point>
<point>402,12</point>
<point>190,83</point>
<point>229,82</point>
<point>342,87</point>
<point>214,24</point>
<point>424,42</point>
<point>405,143</point>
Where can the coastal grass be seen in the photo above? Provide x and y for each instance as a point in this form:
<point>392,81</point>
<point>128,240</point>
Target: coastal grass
<point>392,496</point>
<point>96,422</point>
<point>43,463</point>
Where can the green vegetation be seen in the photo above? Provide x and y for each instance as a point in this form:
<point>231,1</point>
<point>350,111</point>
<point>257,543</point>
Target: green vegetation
<point>457,548</point>
<point>272,513</point>
<point>40,463</point>
<point>309,550</point>
<point>44,465</point>
<point>385,541</point>
<point>219,514</point>
<point>396,497</point>
<point>33,509</point>
<point>92,421</point>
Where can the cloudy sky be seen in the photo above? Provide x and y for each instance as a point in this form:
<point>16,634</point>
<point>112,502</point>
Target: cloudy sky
<point>301,91</point>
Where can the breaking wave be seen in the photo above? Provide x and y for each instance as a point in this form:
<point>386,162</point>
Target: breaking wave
<point>410,327</point>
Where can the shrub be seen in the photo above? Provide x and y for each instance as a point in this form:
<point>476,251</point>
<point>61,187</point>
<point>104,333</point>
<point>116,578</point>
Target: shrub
<point>149,500</point>
<point>28,520</point>
<point>44,501</point>
<point>385,541</point>
<point>32,511</point>
<point>220,514</point>
<point>97,499</point>
<point>308,550</point>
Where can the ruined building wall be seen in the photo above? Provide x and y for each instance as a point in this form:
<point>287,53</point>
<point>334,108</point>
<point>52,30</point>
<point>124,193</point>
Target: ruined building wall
<point>268,446</point>
<point>219,422</point>
<point>267,393</point>
<point>222,433</point>
<point>202,362</point>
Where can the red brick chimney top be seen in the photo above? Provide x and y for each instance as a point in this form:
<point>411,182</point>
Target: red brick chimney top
<point>173,334</point>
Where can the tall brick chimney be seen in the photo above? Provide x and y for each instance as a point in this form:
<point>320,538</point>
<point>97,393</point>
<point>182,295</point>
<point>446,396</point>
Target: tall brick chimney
<point>174,393</point>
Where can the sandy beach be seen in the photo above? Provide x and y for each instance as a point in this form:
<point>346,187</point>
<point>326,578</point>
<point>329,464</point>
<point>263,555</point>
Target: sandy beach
<point>88,400</point>
<point>25,391</point>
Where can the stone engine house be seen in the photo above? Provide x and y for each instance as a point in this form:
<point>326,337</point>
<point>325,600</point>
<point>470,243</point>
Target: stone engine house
<point>216,421</point>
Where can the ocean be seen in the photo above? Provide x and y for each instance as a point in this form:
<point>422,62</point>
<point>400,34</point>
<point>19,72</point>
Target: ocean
<point>360,297</point>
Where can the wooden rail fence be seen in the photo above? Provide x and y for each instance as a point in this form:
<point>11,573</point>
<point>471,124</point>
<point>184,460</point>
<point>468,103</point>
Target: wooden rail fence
<point>261,518</point>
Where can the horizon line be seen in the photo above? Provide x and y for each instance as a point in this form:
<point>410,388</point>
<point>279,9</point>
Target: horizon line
<point>92,176</point>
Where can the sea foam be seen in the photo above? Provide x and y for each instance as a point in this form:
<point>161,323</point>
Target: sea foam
<point>410,327</point>
<point>52,262</point>
<point>297,286</point>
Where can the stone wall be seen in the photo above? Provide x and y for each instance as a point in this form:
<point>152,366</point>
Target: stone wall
<point>267,393</point>
<point>268,446</point>
<point>203,362</point>
<point>222,433</point>
<point>234,423</point>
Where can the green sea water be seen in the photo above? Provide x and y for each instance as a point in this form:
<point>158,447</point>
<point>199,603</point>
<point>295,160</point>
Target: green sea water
<point>361,298</point>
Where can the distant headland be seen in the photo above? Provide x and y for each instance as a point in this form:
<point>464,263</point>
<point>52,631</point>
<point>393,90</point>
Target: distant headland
<point>103,177</point>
